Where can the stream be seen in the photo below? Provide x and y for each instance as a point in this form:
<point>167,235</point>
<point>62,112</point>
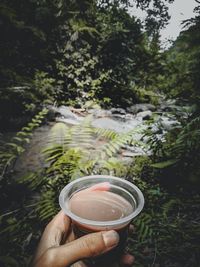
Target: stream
<point>116,119</point>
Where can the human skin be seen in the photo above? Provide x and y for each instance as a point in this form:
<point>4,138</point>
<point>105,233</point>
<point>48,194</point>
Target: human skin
<point>58,247</point>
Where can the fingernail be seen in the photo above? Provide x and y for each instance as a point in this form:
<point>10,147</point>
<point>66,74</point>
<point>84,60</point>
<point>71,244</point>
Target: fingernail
<point>111,238</point>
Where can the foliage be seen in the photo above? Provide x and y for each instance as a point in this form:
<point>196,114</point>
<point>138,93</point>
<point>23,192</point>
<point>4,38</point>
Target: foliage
<point>178,155</point>
<point>182,76</point>
<point>164,224</point>
<point>90,49</point>
<point>167,222</point>
<point>18,104</point>
<point>45,88</point>
<point>146,95</point>
<point>65,159</point>
<point>94,56</point>
<point>94,52</point>
<point>157,12</point>
<point>73,154</point>
<point>20,35</point>
<point>13,196</point>
<point>12,150</point>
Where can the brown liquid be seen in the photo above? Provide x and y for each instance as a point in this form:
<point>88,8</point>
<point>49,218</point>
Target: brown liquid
<point>98,204</point>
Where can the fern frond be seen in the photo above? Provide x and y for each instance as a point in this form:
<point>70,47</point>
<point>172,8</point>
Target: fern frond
<point>58,134</point>
<point>144,226</point>
<point>168,206</point>
<point>113,166</point>
<point>11,150</point>
<point>82,134</point>
<point>47,207</point>
<point>68,164</point>
<point>105,133</point>
<point>33,180</point>
<point>113,147</point>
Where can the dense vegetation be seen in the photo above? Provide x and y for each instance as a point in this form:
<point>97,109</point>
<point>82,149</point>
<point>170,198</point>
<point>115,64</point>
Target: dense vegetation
<point>71,52</point>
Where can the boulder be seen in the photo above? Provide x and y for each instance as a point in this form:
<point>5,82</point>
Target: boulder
<point>167,108</point>
<point>119,117</point>
<point>120,111</point>
<point>100,113</point>
<point>65,115</point>
<point>65,112</point>
<point>141,107</point>
<point>145,115</point>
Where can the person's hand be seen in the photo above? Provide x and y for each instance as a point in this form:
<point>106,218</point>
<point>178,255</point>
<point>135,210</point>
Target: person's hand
<point>57,247</point>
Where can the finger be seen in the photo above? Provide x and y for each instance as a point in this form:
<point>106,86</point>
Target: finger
<point>54,233</point>
<point>70,237</point>
<point>105,186</point>
<point>85,247</point>
<point>56,230</point>
<point>127,260</point>
<point>60,221</point>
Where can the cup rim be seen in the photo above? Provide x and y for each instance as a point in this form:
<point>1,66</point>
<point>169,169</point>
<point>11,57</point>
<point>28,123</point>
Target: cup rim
<point>84,221</point>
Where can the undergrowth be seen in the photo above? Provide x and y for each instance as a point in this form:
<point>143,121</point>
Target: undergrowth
<point>166,232</point>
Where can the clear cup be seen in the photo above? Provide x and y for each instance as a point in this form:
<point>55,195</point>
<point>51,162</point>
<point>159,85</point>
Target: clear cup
<point>82,226</point>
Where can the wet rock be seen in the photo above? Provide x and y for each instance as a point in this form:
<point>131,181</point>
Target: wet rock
<point>151,107</point>
<point>134,151</point>
<point>100,113</point>
<point>51,115</point>
<point>117,125</point>
<point>65,112</point>
<point>129,116</point>
<point>141,107</point>
<point>167,108</point>
<point>119,117</point>
<point>137,122</point>
<point>110,124</point>
<point>155,129</point>
<point>77,105</point>
<point>168,105</point>
<point>120,111</point>
<point>145,115</point>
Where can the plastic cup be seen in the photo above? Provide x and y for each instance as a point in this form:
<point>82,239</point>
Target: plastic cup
<point>81,226</point>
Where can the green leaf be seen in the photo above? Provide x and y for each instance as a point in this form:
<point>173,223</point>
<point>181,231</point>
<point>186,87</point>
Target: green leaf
<point>164,164</point>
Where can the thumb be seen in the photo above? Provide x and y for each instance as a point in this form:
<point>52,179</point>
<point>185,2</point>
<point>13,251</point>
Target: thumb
<point>85,247</point>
